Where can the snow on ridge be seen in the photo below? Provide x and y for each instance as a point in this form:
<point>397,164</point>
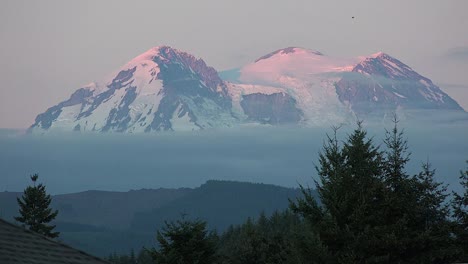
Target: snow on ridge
<point>306,76</point>
<point>392,66</point>
<point>288,50</point>
<point>144,72</point>
<point>297,63</point>
<point>425,82</point>
<point>399,95</point>
<point>146,60</point>
<point>146,69</point>
<point>145,56</point>
<point>377,54</point>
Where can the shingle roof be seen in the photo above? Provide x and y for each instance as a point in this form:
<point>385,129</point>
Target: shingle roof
<point>18,245</point>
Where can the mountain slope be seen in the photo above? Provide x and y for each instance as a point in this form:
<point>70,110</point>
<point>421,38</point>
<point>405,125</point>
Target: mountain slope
<point>328,90</point>
<point>162,89</point>
<point>305,77</point>
<point>165,89</point>
<point>220,204</point>
<point>382,83</point>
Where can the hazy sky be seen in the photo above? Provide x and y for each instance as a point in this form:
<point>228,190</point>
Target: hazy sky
<point>51,48</point>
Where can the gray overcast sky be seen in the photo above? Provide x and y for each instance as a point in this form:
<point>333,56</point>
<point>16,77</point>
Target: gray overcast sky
<point>49,48</point>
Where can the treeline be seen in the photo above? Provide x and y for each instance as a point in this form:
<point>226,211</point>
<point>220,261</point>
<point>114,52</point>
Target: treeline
<point>370,210</point>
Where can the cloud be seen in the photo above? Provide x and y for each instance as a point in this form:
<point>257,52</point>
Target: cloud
<point>458,54</point>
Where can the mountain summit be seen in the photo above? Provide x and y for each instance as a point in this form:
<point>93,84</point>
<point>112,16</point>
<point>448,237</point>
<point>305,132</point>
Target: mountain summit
<point>382,83</point>
<point>162,89</point>
<point>288,50</point>
<point>165,89</point>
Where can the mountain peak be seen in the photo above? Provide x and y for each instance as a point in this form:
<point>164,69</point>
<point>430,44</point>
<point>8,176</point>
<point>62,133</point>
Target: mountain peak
<point>382,64</point>
<point>289,50</point>
<point>379,54</point>
<point>162,51</point>
<point>165,89</point>
<point>162,89</point>
<point>166,48</point>
<point>390,83</point>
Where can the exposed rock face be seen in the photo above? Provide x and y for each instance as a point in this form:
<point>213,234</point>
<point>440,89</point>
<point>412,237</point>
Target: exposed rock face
<point>165,89</point>
<point>381,83</point>
<point>119,118</point>
<point>188,86</point>
<point>273,109</point>
<point>209,75</point>
<point>161,90</point>
<point>79,97</point>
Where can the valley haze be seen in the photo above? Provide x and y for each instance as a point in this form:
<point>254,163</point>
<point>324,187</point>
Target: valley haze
<point>284,156</point>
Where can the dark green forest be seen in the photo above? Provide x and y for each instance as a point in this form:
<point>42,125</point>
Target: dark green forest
<point>368,210</point>
<point>104,222</point>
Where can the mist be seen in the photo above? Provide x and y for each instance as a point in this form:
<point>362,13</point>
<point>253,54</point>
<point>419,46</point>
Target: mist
<point>283,156</point>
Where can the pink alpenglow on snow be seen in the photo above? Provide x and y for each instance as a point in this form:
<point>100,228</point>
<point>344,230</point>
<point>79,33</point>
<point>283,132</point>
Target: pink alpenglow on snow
<point>165,89</point>
<point>293,61</point>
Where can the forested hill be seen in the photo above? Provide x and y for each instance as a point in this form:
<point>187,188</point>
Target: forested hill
<point>220,203</point>
<point>103,222</point>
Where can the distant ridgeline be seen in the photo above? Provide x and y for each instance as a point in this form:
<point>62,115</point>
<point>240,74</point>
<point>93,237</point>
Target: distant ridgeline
<point>103,222</point>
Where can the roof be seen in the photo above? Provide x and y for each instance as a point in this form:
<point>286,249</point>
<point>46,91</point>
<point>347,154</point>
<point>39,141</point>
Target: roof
<point>19,245</point>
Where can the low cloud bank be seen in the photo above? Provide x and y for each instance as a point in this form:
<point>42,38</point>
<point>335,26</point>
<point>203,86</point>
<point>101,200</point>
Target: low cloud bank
<point>282,156</point>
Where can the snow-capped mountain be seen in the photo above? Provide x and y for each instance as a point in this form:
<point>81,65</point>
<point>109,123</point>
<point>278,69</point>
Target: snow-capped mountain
<point>325,90</point>
<point>382,83</point>
<point>305,79</point>
<point>162,89</point>
<point>165,89</point>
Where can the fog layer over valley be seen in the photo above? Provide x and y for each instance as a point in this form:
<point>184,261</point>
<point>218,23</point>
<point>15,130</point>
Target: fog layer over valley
<point>283,156</point>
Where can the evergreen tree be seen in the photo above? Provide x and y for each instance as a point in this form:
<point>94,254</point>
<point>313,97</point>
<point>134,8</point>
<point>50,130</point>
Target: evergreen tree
<point>430,224</point>
<point>396,156</point>
<point>184,242</point>
<point>132,258</point>
<point>400,198</point>
<point>112,258</point>
<point>144,257</point>
<point>34,209</point>
<point>349,190</point>
<point>267,240</point>
<point>415,226</point>
<point>460,214</point>
<point>371,210</point>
